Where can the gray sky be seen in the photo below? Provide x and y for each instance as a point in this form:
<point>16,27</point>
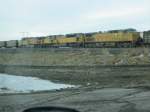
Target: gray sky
<point>46,17</point>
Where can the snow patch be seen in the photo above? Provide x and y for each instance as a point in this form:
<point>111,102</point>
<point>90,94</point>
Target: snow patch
<point>20,84</point>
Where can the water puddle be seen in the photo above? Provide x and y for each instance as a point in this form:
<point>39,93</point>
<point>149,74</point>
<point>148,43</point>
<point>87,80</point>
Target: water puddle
<point>21,84</point>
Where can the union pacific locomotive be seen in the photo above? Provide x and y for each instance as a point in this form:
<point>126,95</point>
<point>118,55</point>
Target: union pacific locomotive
<point>113,38</point>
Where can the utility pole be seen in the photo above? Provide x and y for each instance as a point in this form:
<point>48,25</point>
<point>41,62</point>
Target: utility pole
<point>24,34</point>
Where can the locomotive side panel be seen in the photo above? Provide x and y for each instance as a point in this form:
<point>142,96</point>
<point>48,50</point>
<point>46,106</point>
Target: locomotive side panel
<point>120,39</point>
<point>116,37</point>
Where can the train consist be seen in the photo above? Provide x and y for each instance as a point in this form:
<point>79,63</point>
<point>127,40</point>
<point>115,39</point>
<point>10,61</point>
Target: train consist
<point>113,38</point>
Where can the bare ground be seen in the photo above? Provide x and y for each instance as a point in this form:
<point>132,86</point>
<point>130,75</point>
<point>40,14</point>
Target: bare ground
<point>104,88</point>
<point>82,99</point>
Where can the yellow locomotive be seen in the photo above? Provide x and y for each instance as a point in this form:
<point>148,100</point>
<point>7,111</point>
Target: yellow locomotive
<point>117,39</point>
<point>120,39</point>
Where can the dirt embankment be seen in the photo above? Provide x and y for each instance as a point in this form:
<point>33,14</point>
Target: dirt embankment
<point>81,66</point>
<point>75,57</point>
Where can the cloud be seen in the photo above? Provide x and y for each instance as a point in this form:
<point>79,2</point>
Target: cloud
<point>44,17</point>
<point>117,11</point>
<point>109,14</point>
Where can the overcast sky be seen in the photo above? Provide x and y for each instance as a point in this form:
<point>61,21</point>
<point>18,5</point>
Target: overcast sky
<point>46,17</point>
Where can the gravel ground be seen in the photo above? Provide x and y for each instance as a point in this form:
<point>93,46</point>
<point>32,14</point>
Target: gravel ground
<point>82,99</point>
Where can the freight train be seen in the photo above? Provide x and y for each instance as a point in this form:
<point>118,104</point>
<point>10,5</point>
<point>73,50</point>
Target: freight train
<point>113,38</point>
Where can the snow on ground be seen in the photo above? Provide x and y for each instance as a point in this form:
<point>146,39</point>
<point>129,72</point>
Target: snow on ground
<point>20,84</point>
